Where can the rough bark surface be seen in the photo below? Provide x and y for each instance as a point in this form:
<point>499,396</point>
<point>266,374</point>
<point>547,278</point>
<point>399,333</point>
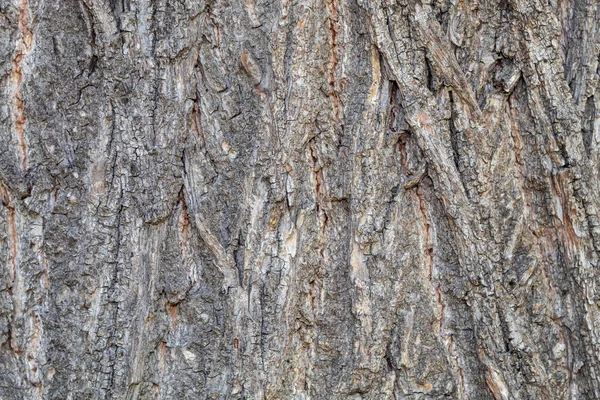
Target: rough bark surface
<point>299,199</point>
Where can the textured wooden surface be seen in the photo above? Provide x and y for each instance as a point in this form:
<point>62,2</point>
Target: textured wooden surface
<point>299,199</point>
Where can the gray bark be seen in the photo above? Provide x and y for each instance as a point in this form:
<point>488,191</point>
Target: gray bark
<point>341,199</point>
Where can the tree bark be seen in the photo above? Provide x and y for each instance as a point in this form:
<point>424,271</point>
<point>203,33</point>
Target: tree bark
<point>299,199</point>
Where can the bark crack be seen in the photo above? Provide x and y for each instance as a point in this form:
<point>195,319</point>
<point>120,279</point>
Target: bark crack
<point>14,289</point>
<point>333,18</point>
<point>18,104</point>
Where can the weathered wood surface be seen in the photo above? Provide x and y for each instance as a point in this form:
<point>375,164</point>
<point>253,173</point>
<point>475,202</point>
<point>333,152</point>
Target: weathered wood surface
<point>294,199</point>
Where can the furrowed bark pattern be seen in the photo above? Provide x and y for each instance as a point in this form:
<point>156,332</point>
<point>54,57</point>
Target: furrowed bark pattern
<point>342,199</point>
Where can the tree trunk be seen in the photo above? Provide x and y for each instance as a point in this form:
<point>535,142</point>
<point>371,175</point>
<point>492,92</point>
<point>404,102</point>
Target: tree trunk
<point>341,199</point>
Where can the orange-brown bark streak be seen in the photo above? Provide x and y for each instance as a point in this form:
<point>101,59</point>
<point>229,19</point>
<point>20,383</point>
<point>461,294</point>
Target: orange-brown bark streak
<point>18,105</point>
<point>12,230</point>
<point>333,55</point>
<point>438,288</point>
<point>12,234</point>
<point>14,249</point>
<point>427,227</point>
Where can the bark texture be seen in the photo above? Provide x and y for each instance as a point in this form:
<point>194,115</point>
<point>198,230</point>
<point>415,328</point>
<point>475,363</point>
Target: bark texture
<point>299,199</point>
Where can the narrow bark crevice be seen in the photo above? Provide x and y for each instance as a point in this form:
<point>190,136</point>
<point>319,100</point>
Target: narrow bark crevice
<point>24,46</point>
<point>587,131</point>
